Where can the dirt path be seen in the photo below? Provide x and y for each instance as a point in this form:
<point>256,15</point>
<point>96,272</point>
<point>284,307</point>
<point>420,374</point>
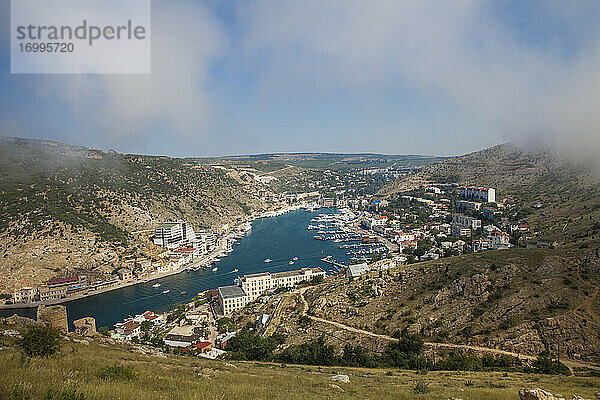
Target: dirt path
<point>274,322</point>
<point>569,364</point>
<point>589,301</point>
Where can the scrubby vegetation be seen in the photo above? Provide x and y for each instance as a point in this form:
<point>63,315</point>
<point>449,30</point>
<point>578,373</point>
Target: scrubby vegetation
<point>407,353</point>
<point>511,299</point>
<point>39,341</point>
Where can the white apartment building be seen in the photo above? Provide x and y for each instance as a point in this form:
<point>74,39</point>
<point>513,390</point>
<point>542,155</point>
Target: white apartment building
<point>172,235</point>
<point>24,295</point>
<point>292,278</point>
<point>255,285</point>
<point>403,236</point>
<point>328,202</point>
<point>208,240</point>
<point>232,298</point>
<point>499,240</point>
<point>373,222</point>
<point>477,193</point>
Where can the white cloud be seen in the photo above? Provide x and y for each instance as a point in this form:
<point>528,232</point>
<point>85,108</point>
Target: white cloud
<point>494,87</point>
<point>186,39</point>
<point>455,49</point>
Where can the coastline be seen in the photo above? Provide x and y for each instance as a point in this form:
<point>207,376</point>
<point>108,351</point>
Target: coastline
<point>266,214</point>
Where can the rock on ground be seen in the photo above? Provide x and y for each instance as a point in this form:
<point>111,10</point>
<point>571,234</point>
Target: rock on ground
<point>341,378</point>
<point>539,394</point>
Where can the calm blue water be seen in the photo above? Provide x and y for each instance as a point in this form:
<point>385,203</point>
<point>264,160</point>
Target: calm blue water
<point>278,238</point>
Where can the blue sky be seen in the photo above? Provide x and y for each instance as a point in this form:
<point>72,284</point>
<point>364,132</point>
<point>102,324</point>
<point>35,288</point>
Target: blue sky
<point>394,77</point>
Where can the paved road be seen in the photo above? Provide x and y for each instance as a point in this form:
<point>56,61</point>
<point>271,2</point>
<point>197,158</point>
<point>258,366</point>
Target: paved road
<point>570,364</point>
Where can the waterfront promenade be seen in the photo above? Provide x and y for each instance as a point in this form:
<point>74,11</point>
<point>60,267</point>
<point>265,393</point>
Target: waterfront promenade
<point>279,238</point>
<point>203,260</point>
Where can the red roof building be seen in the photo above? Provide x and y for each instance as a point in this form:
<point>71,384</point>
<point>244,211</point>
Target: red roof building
<point>203,347</point>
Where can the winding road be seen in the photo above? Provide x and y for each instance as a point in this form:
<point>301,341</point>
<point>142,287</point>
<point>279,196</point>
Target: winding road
<point>570,364</point>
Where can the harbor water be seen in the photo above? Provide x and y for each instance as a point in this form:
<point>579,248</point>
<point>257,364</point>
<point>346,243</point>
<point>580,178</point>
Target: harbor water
<point>279,238</point>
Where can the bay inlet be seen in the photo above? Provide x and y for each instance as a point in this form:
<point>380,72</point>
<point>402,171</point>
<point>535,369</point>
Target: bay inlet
<point>279,238</point>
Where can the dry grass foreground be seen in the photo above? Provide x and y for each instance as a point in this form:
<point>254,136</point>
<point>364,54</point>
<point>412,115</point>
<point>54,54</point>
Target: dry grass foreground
<point>83,368</point>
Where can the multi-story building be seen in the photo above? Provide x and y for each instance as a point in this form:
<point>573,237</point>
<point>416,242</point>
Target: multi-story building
<point>125,274</point>
<point>403,236</point>
<point>208,240</point>
<point>484,194</point>
<point>466,221</point>
<point>328,202</point>
<point>62,287</point>
<point>465,205</point>
<point>172,235</point>
<point>461,231</point>
<point>255,285</point>
<point>24,295</point>
<point>373,222</point>
<point>232,298</point>
<point>498,239</point>
<point>292,278</point>
<point>494,239</point>
<point>127,330</point>
<point>489,212</point>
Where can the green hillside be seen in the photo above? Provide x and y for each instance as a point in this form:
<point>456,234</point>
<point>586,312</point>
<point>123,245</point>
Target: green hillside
<point>65,206</point>
<point>566,191</point>
<point>98,370</point>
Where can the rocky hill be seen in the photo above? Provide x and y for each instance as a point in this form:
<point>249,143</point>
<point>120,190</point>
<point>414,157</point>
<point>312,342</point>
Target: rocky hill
<point>567,191</point>
<point>519,301</point>
<point>66,207</point>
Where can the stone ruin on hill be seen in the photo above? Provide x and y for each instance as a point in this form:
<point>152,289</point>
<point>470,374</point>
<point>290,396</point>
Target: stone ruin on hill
<point>85,326</point>
<point>54,316</point>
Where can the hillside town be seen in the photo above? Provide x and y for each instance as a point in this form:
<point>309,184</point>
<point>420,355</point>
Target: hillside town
<point>433,221</point>
<point>428,223</point>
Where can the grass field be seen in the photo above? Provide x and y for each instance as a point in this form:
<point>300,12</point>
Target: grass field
<point>89,370</point>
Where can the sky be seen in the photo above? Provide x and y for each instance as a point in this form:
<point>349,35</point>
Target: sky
<point>348,76</point>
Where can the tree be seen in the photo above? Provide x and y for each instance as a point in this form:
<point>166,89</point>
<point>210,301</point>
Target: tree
<point>40,341</point>
<point>146,326</point>
<point>104,331</point>
<point>249,346</point>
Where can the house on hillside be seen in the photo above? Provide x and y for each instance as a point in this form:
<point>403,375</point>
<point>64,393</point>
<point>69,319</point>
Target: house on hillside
<point>357,270</point>
<point>127,330</point>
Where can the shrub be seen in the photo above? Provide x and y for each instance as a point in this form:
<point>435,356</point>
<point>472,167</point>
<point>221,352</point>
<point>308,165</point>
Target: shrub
<point>252,347</point>
<point>304,321</point>
<point>117,372</point>
<point>40,341</point>
<point>545,364</point>
<point>63,394</point>
<point>421,388</point>
<point>104,331</point>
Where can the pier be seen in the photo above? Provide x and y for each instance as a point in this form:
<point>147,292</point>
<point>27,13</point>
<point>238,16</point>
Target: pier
<point>336,264</point>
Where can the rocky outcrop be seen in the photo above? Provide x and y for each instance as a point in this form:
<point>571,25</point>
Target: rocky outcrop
<point>539,394</point>
<point>17,320</point>
<point>474,288</point>
<point>341,378</point>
